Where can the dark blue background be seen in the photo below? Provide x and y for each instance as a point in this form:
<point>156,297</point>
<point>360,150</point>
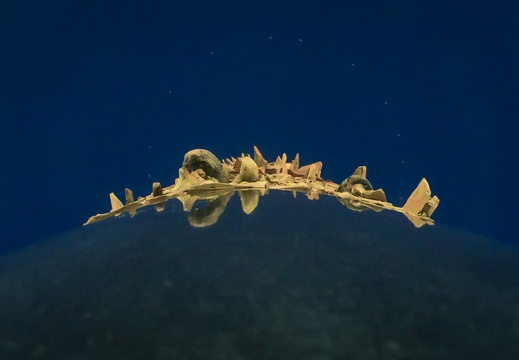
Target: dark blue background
<point>96,96</point>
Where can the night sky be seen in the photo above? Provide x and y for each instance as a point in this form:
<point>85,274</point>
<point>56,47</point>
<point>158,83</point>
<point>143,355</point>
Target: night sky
<point>96,96</point>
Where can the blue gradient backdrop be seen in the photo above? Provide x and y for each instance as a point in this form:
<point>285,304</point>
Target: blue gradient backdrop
<point>96,96</point>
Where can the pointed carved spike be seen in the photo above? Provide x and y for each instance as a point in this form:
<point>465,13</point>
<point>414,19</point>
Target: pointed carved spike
<point>361,171</point>
<point>281,161</point>
<point>129,196</point>
<point>258,158</point>
<point>312,171</point>
<point>115,202</point>
<point>420,196</point>
<point>294,165</point>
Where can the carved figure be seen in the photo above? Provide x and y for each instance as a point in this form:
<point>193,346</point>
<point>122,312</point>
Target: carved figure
<point>203,177</point>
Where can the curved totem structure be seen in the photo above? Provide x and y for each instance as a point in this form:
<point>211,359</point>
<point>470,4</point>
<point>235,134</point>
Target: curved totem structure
<point>204,177</point>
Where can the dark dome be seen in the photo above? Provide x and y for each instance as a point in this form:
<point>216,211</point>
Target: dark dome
<point>296,279</point>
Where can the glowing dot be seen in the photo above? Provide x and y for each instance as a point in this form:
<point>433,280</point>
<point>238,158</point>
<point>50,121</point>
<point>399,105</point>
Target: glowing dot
<point>385,102</point>
<point>352,64</point>
<point>300,40</point>
<point>270,37</point>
